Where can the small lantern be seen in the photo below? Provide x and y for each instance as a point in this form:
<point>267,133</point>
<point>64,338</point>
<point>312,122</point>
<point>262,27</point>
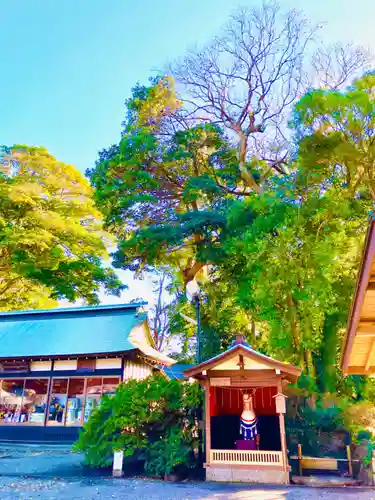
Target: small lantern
<point>280,402</point>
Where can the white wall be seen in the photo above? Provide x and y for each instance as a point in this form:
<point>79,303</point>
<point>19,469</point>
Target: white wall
<point>40,366</point>
<point>65,364</point>
<point>108,363</point>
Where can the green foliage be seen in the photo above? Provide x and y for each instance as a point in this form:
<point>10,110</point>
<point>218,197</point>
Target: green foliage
<point>280,263</point>
<point>314,425</point>
<point>336,131</point>
<point>52,241</point>
<point>165,455</point>
<point>155,416</point>
<point>162,189</point>
<point>365,439</point>
<point>294,265</point>
<point>364,436</point>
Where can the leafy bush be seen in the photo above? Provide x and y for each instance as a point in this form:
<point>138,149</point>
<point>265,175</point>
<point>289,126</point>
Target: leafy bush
<point>360,416</point>
<point>334,421</point>
<point>320,429</point>
<point>164,455</point>
<point>364,436</point>
<point>155,416</point>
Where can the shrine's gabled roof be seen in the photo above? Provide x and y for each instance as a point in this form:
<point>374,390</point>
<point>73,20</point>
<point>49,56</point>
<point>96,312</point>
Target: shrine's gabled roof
<point>263,361</point>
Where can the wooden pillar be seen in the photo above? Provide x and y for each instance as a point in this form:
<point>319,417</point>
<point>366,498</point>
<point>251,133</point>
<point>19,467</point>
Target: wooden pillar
<point>300,459</point>
<point>49,394</point>
<point>349,457</point>
<point>208,423</point>
<point>283,446</point>
<point>283,436</point>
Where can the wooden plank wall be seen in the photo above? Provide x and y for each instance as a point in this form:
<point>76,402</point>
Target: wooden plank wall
<point>136,369</point>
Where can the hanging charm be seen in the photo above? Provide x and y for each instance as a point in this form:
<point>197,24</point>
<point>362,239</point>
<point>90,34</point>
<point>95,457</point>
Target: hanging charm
<point>249,429</point>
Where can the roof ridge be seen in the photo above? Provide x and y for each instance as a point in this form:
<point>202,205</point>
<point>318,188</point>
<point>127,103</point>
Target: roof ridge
<point>73,309</point>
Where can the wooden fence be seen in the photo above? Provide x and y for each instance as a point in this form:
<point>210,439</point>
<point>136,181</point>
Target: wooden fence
<point>245,457</point>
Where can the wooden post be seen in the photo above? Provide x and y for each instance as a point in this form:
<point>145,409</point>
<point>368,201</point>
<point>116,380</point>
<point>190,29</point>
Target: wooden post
<point>283,437</point>
<point>300,459</point>
<point>283,446</point>
<point>49,395</point>
<point>208,423</point>
<point>349,457</point>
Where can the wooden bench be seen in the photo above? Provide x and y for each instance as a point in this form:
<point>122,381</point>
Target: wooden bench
<point>329,464</point>
<point>324,464</point>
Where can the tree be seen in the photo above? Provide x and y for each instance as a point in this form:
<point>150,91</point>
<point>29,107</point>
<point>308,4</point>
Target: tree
<point>164,193</point>
<point>333,67</point>
<point>295,267</point>
<point>52,242</point>
<point>249,76</point>
<point>179,193</point>
<point>165,188</point>
<point>221,317</point>
<point>295,264</point>
<point>336,138</point>
<point>161,192</point>
<point>160,313</point>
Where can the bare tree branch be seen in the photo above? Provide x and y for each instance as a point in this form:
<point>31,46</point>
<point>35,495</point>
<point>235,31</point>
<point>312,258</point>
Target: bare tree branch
<point>336,65</point>
<point>250,74</point>
<point>160,312</point>
<point>248,78</point>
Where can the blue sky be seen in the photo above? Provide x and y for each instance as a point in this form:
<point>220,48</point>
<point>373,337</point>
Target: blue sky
<point>68,65</point>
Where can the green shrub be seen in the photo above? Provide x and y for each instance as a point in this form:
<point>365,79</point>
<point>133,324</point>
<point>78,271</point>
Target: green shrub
<point>154,416</point>
<point>164,455</point>
<point>364,436</point>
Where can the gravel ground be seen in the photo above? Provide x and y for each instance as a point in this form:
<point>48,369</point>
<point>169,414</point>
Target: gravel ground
<point>54,473</point>
<point>40,460</point>
<point>137,489</point>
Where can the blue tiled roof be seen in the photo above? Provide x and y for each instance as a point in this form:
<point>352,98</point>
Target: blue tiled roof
<point>80,309</point>
<point>64,332</point>
<point>176,370</point>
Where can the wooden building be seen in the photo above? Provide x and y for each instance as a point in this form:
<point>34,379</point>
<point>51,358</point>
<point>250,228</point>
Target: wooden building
<point>358,354</point>
<point>56,364</point>
<point>225,378</point>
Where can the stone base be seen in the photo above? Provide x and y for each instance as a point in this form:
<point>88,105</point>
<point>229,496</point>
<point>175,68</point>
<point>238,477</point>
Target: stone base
<point>117,473</point>
<point>325,481</point>
<point>260,475</point>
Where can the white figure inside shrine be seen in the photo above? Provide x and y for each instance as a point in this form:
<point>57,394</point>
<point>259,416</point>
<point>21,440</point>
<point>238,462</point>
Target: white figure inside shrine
<point>249,421</point>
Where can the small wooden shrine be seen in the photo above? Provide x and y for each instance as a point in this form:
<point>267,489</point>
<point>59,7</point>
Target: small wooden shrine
<point>244,415</point>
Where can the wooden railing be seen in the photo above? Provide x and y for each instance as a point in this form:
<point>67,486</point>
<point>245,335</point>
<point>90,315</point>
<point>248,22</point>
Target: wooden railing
<point>244,457</point>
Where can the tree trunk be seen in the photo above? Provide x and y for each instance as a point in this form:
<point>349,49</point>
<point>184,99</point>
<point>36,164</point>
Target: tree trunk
<point>329,353</point>
<point>294,329</point>
<point>253,335</point>
<point>310,364</point>
<point>190,272</point>
<point>245,174</point>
